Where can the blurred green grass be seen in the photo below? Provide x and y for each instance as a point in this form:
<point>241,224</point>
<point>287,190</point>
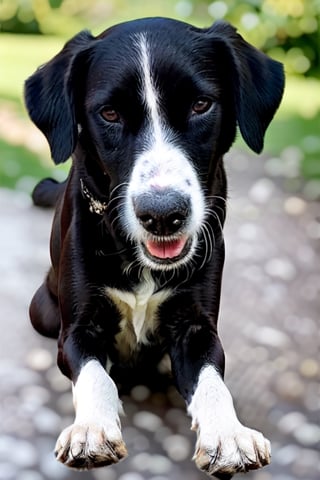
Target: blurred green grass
<point>295,125</point>
<point>20,55</point>
<point>20,167</point>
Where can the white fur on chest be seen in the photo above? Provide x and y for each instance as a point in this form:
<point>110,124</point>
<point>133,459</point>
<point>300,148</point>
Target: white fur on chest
<point>138,310</point>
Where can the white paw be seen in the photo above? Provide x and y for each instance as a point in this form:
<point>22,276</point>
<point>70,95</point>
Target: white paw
<point>239,451</point>
<point>85,446</point>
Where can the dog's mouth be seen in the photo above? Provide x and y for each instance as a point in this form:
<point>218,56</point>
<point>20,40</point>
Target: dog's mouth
<point>167,250</point>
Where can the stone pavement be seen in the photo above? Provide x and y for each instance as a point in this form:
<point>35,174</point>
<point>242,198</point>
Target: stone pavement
<point>269,325</point>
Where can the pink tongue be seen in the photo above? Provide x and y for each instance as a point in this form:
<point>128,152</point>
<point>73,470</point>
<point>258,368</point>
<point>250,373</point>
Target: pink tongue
<point>169,249</point>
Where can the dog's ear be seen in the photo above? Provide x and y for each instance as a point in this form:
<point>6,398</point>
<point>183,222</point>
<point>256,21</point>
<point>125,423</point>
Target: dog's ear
<point>258,83</point>
<point>49,98</point>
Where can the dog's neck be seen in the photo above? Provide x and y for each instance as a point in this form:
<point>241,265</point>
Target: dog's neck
<point>95,205</point>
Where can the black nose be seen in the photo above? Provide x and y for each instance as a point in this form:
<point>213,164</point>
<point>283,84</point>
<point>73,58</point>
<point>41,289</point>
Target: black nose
<point>162,212</point>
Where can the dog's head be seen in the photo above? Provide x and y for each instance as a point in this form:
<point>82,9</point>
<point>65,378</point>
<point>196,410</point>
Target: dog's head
<point>154,105</point>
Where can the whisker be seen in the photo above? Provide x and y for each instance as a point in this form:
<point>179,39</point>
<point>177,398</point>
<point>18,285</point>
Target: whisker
<point>123,184</point>
<point>215,205</point>
<point>214,214</point>
<point>112,254</point>
<point>118,216</point>
<point>217,197</point>
<point>219,222</point>
<point>134,264</point>
<point>115,199</point>
<point>206,238</point>
<point>211,241</point>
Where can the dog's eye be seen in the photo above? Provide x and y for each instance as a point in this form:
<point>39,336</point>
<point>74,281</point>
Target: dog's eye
<point>202,105</point>
<point>110,115</point>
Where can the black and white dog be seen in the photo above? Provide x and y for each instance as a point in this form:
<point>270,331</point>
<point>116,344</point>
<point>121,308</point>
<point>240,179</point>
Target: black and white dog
<point>147,110</point>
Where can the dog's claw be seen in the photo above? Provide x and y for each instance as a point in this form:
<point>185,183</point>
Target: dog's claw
<point>243,451</point>
<point>87,446</point>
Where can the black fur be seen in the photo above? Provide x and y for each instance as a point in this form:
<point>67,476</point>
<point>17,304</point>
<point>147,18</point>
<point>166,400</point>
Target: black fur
<point>90,252</point>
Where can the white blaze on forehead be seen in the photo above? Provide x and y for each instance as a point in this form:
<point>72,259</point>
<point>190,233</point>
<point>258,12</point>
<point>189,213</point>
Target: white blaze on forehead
<point>149,92</point>
<point>162,163</point>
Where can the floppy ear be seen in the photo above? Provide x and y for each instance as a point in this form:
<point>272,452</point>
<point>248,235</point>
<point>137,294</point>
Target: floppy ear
<point>49,98</point>
<point>258,83</point>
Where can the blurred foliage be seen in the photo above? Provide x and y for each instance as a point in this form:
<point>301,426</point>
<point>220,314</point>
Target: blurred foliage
<point>17,163</point>
<point>289,30</point>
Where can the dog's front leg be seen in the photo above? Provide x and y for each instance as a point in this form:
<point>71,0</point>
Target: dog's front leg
<point>224,446</point>
<point>94,439</point>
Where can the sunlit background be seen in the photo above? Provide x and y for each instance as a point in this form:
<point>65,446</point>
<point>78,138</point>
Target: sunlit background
<point>271,290</point>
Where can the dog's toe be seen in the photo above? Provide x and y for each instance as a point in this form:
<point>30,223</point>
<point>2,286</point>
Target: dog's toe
<point>242,451</point>
<point>89,446</point>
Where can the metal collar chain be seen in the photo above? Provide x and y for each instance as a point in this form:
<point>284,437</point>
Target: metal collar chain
<point>95,206</point>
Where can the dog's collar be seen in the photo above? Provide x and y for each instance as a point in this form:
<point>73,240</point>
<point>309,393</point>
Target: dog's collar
<point>95,206</point>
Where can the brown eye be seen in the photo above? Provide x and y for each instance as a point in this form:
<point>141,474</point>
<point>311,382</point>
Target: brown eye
<point>202,105</point>
<point>110,115</point>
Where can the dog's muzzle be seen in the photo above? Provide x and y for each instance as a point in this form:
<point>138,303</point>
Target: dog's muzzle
<point>164,215</point>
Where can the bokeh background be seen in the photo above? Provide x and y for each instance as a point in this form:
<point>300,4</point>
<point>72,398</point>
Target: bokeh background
<point>271,290</point>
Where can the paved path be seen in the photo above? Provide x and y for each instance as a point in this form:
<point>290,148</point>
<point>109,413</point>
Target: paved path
<point>269,325</point>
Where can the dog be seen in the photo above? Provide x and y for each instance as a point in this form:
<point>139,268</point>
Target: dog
<point>147,111</point>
